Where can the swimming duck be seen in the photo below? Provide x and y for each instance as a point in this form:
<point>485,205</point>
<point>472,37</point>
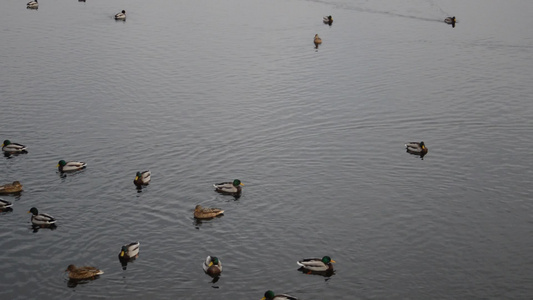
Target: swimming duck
<point>32,4</point>
<point>12,148</point>
<point>67,166</point>
<point>11,188</point>
<point>269,295</point>
<point>328,20</point>
<point>212,266</point>
<point>142,178</point>
<point>129,251</point>
<point>317,264</point>
<point>82,272</point>
<point>121,15</point>
<point>206,213</point>
<point>318,40</point>
<point>229,187</point>
<point>450,20</point>
<point>41,219</point>
<point>416,148</point>
<point>4,204</point>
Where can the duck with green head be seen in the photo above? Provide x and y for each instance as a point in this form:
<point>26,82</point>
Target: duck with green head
<point>230,188</point>
<point>142,178</point>
<point>69,166</point>
<point>316,264</point>
<point>13,148</point>
<point>212,266</point>
<point>41,219</point>
<point>416,148</point>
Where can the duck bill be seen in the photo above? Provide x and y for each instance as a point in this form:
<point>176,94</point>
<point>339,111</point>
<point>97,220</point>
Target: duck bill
<point>263,298</point>
<point>210,264</point>
<point>122,253</point>
<point>136,177</point>
<point>242,184</point>
<point>333,261</point>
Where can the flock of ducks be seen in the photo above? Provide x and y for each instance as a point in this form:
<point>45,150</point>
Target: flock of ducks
<point>35,5</point>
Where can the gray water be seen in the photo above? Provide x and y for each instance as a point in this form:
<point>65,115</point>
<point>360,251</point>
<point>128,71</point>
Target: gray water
<point>201,92</point>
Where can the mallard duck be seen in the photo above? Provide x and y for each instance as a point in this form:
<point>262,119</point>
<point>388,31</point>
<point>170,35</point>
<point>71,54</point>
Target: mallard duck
<point>11,188</point>
<point>12,148</point>
<point>212,266</point>
<point>269,295</point>
<point>41,219</point>
<point>82,272</point>
<point>317,264</point>
<point>142,178</point>
<point>4,204</point>
<point>318,40</point>
<point>229,187</point>
<point>129,251</point>
<point>416,148</point>
<point>121,15</point>
<point>450,20</point>
<point>32,4</point>
<point>67,166</point>
<point>328,20</point>
<point>206,213</point>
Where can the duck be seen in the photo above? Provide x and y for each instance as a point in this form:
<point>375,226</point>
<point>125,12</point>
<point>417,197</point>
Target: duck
<point>121,15</point>
<point>206,213</point>
<point>269,295</point>
<point>142,178</point>
<point>318,40</point>
<point>328,20</point>
<point>416,148</point>
<point>4,204</point>
<point>67,166</point>
<point>11,188</point>
<point>41,219</point>
<point>316,264</point>
<point>212,266</point>
<point>450,20</point>
<point>12,148</point>
<point>229,187</point>
<point>85,272</point>
<point>129,251</point>
<point>32,4</point>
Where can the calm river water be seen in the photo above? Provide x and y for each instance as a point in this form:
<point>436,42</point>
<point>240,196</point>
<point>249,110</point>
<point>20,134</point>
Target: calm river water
<point>206,91</point>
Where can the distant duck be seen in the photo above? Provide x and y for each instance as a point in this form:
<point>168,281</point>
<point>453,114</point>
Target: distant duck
<point>121,15</point>
<point>212,266</point>
<point>68,166</point>
<point>269,295</point>
<point>32,4</point>
<point>11,188</point>
<point>41,219</point>
<point>450,20</point>
<point>416,148</point>
<point>13,148</point>
<point>317,41</point>
<point>142,178</point>
<point>229,187</point>
<point>79,273</point>
<point>316,264</point>
<point>129,251</point>
<point>206,213</point>
<point>328,20</point>
<point>4,205</point>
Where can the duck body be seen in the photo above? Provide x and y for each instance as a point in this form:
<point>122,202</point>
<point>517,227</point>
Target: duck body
<point>142,178</point>
<point>32,4</point>
<point>13,148</point>
<point>416,148</point>
<point>451,21</point>
<point>41,219</point>
<point>206,213</point>
<point>316,264</point>
<point>4,204</point>
<point>129,251</point>
<point>69,166</point>
<point>121,15</point>
<point>269,295</point>
<point>230,188</point>
<point>328,20</point>
<point>11,188</point>
<point>317,40</point>
<point>79,273</point>
<point>212,266</point>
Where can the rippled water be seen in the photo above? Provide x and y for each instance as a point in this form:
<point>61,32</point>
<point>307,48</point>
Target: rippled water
<point>203,91</point>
